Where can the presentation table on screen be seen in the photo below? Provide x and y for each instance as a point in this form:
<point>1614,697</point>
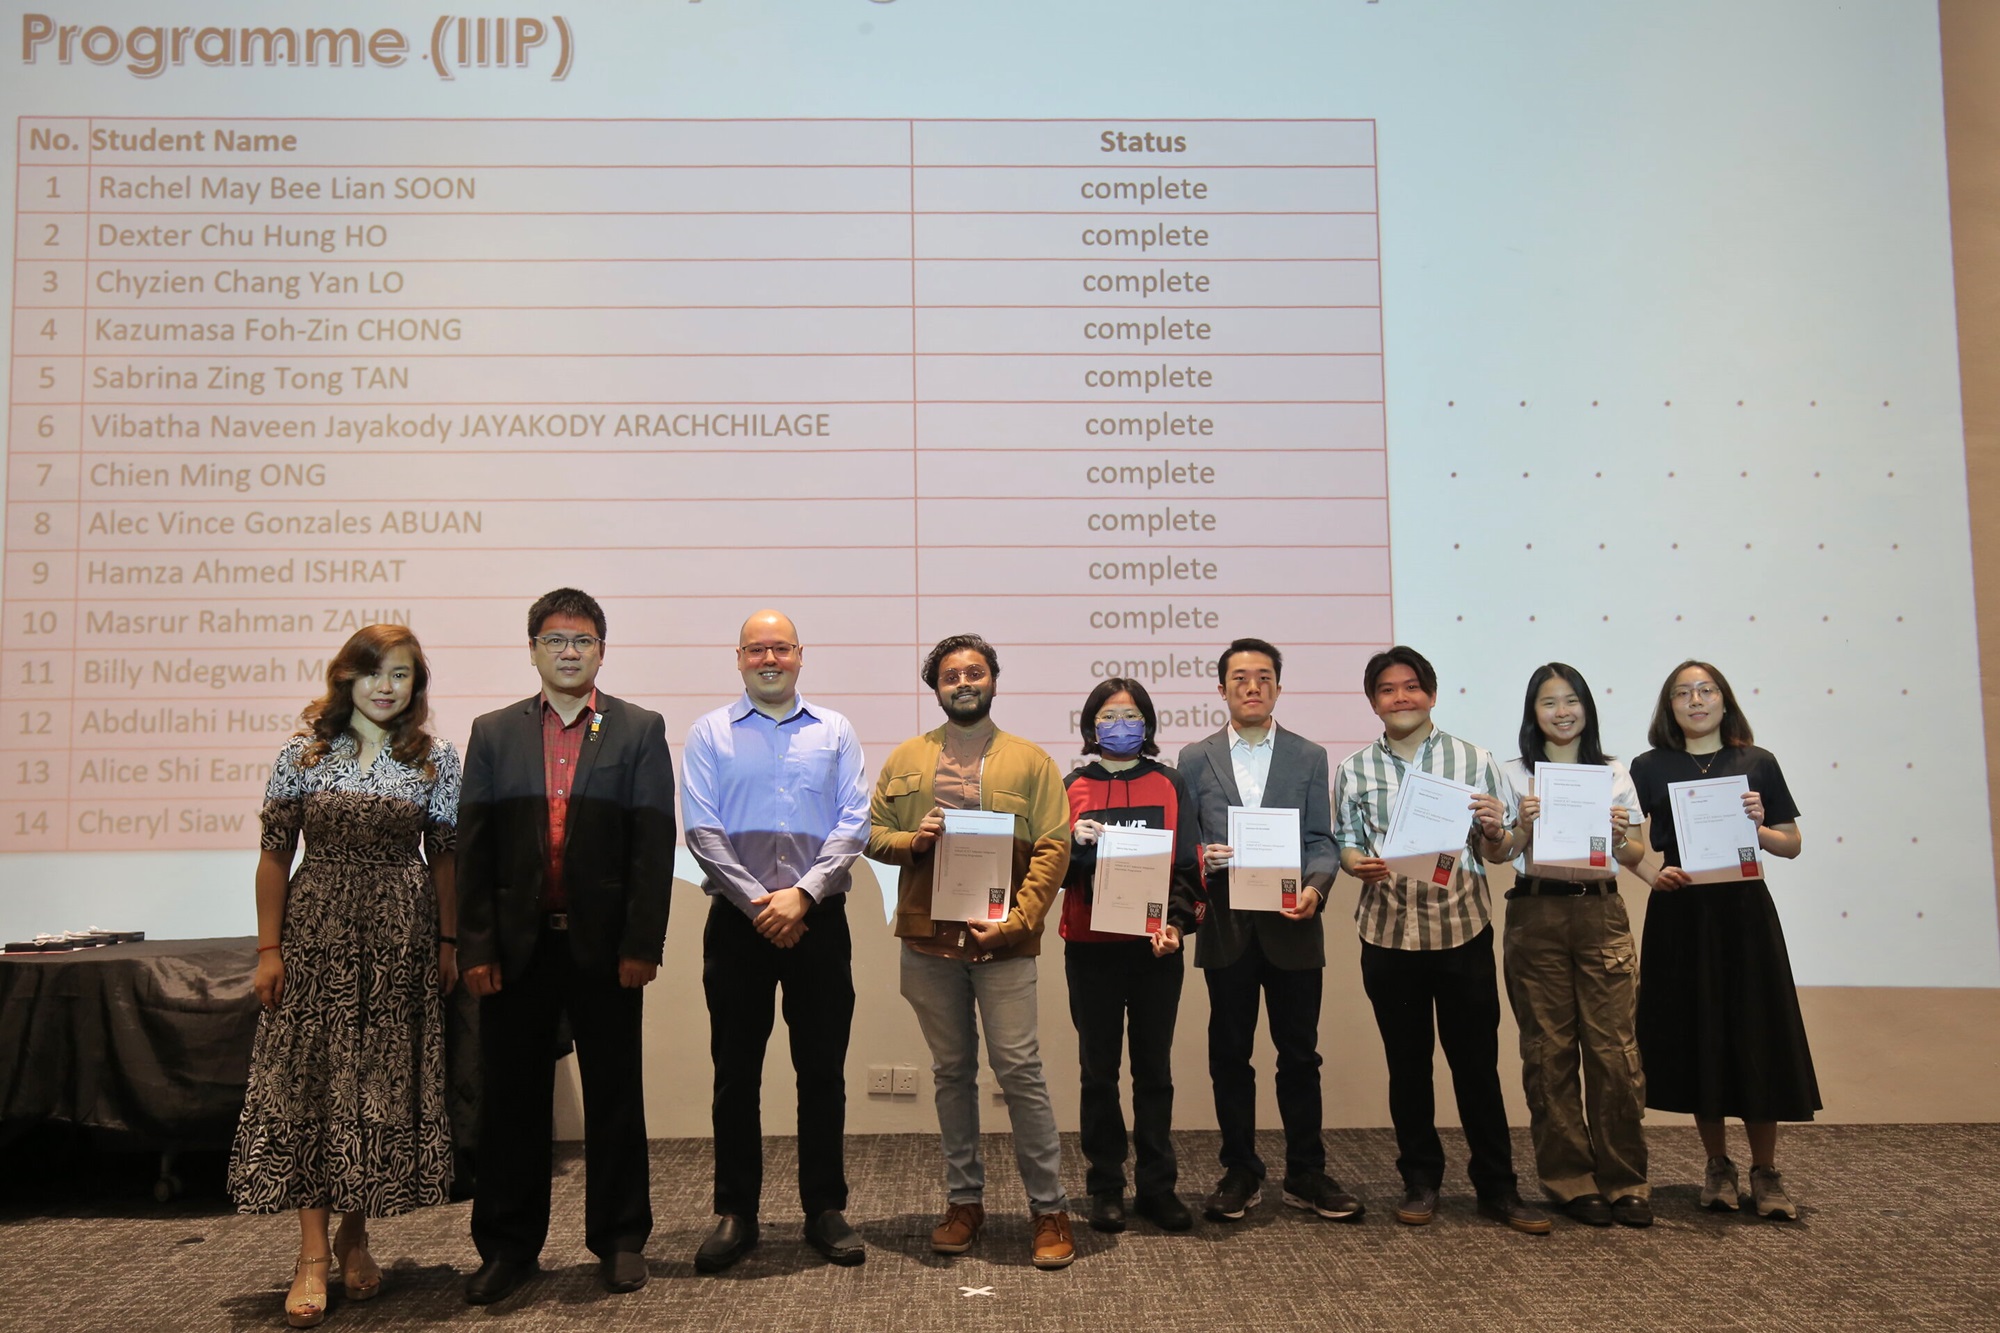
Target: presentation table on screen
<point>1109,393</point>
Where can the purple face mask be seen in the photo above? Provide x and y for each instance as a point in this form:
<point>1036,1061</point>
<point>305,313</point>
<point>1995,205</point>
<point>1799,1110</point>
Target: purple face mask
<point>1121,738</point>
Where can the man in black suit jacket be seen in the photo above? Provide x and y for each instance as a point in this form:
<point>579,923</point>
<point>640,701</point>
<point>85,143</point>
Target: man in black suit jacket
<point>566,856</point>
<point>1254,762</point>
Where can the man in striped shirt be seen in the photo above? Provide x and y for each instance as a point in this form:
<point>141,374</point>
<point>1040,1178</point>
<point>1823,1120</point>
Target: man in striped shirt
<point>1427,946</point>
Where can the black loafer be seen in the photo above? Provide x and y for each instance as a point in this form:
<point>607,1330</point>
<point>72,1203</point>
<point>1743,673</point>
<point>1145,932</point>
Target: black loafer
<point>732,1238</point>
<point>1593,1210</point>
<point>837,1242</point>
<point>1632,1211</point>
<point>496,1280</point>
<point>1107,1211</point>
<point>623,1271</point>
<point>1165,1211</point>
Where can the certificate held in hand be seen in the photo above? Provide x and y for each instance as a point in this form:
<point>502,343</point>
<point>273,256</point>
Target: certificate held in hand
<point>1573,831</point>
<point>975,866</point>
<point>1264,873</point>
<point>1717,840</point>
<point>1428,828</point>
<point>1128,895</point>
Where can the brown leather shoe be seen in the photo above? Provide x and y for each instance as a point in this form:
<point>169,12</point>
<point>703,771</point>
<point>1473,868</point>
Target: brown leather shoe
<point>959,1229</point>
<point>1054,1245</point>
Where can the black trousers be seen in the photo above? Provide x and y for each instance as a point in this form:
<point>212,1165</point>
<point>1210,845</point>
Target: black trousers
<point>1116,988</point>
<point>1408,986</point>
<point>1291,1000</point>
<point>517,1032</point>
<point>741,972</point>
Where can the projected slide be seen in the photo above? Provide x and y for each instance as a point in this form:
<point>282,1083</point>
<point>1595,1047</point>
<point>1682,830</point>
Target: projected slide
<point>1108,393</point>
<point>1597,334</point>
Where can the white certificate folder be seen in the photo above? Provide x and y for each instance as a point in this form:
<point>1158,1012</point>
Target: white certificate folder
<point>975,867</point>
<point>1718,842</point>
<point>1264,873</point>
<point>1428,827</point>
<point>1574,830</point>
<point>1128,895</point>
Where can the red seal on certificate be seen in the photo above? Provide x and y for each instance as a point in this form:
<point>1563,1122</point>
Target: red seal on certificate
<point>1442,875</point>
<point>996,904</point>
<point>1288,894</point>
<point>1746,859</point>
<point>1154,913</point>
<point>1597,848</point>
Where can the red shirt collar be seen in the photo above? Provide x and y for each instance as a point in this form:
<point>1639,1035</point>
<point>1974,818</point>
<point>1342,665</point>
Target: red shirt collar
<point>589,709</point>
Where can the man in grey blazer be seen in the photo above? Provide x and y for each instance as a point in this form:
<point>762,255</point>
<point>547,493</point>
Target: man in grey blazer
<point>1254,762</point>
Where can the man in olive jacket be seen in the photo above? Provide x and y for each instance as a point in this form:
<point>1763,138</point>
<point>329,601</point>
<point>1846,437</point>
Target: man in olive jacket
<point>949,967</point>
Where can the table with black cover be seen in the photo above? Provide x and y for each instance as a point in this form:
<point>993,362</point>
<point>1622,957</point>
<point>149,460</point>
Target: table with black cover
<point>146,1042</point>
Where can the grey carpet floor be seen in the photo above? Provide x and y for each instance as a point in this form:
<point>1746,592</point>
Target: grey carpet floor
<point>1900,1231</point>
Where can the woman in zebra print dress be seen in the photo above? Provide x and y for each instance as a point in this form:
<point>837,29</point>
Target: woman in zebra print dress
<point>345,1110</point>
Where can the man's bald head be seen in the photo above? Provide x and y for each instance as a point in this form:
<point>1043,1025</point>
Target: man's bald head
<point>768,627</point>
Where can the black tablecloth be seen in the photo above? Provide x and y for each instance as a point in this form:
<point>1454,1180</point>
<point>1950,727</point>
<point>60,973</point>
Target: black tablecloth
<point>148,1040</point>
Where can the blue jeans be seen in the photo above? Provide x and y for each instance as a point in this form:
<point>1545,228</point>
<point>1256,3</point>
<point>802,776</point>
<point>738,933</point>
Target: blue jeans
<point>945,992</point>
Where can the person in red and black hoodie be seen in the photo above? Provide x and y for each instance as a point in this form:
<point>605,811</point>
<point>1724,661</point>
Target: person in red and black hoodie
<point>1112,976</point>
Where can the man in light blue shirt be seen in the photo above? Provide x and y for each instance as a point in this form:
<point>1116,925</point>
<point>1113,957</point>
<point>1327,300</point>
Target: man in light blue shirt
<point>774,800</point>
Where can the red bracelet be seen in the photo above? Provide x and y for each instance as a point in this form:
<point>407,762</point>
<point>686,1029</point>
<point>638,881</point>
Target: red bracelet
<point>266,948</point>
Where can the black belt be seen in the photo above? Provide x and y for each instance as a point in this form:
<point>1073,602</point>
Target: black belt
<point>1527,886</point>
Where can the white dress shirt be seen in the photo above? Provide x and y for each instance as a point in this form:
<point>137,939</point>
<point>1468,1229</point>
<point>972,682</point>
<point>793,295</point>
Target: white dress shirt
<point>1251,763</point>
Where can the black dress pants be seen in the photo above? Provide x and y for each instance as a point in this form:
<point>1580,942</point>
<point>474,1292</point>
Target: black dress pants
<point>1408,986</point>
<point>517,1033</point>
<point>1291,1000</point>
<point>1116,987</point>
<point>741,972</point>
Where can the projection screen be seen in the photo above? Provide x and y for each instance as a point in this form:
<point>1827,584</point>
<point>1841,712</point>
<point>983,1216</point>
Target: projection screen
<point>1112,331</point>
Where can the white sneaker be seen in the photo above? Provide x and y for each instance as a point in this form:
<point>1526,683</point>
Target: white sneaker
<point>1720,1192</point>
<point>1767,1194</point>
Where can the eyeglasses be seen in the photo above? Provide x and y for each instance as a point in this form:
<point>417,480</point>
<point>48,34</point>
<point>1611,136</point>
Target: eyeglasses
<point>1704,692</point>
<point>758,651</point>
<point>561,643</point>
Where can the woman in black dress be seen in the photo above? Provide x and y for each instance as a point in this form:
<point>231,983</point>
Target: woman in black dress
<point>1719,1025</point>
<point>345,1109</point>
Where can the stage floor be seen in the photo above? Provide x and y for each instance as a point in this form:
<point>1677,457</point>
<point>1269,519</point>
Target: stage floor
<point>1899,1231</point>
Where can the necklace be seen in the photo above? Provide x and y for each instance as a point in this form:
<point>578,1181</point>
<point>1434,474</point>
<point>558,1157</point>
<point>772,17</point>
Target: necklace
<point>1703,768</point>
